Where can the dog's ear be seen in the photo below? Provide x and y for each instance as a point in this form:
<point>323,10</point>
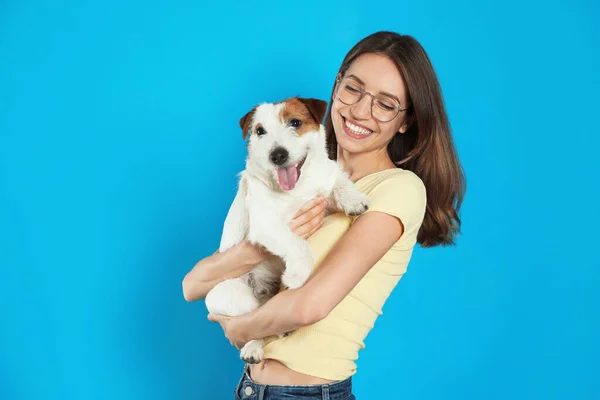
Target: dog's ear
<point>316,107</point>
<point>245,122</point>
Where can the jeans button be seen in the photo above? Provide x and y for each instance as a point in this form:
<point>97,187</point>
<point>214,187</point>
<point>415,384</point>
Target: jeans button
<point>248,391</point>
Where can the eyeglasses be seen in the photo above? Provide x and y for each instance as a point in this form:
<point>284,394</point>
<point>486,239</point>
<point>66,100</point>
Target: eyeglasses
<point>383,107</point>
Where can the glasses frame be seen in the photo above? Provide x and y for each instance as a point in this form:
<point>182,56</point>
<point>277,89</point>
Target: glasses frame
<point>363,92</point>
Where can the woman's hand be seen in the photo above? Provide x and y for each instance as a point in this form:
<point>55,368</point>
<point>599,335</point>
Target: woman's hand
<point>309,218</point>
<point>230,328</point>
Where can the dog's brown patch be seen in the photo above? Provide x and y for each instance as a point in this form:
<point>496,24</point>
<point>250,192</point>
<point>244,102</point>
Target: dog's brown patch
<point>245,122</point>
<point>309,111</point>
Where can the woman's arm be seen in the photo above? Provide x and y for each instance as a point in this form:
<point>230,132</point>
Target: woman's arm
<point>244,256</point>
<point>218,267</point>
<point>365,242</point>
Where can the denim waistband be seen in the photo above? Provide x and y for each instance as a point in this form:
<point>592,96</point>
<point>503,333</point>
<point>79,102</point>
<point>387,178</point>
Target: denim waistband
<point>247,389</point>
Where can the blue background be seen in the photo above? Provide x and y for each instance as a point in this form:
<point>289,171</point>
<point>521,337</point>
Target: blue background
<point>119,146</point>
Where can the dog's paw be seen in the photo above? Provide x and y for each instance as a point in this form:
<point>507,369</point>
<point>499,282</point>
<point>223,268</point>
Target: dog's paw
<point>252,352</point>
<point>295,275</point>
<point>358,210</point>
<point>356,205</point>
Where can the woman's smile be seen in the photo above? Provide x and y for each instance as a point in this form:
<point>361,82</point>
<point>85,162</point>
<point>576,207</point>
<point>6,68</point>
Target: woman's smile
<point>356,131</point>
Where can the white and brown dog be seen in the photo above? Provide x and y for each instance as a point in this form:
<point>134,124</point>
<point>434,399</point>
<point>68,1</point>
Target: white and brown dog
<point>287,165</point>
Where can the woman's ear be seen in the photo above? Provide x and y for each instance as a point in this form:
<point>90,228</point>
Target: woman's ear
<point>408,121</point>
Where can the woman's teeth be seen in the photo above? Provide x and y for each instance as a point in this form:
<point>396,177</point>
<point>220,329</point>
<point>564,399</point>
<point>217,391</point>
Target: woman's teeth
<point>357,129</point>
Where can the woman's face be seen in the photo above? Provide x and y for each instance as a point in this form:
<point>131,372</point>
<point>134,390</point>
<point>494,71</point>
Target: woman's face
<point>356,130</point>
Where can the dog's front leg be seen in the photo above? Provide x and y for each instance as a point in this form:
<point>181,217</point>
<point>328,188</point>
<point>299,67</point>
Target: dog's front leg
<point>347,198</point>
<point>294,251</point>
<point>235,227</point>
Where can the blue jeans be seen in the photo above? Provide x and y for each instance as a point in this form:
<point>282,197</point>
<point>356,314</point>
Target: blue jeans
<point>247,389</point>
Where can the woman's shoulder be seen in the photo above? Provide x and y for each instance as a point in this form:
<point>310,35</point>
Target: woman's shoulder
<point>392,182</point>
<point>398,192</point>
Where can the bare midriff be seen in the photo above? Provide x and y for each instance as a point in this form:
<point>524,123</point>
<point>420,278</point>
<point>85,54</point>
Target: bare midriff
<point>273,372</point>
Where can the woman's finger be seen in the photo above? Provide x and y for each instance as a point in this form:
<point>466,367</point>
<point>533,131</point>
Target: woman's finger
<point>307,226</point>
<point>217,318</point>
<point>313,225</point>
<point>308,215</point>
<point>313,230</point>
<point>308,205</point>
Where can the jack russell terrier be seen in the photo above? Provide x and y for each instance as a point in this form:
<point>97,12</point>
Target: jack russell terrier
<point>287,165</point>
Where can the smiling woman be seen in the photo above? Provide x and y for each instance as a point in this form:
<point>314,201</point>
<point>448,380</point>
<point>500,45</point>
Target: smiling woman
<point>387,101</point>
<point>388,129</point>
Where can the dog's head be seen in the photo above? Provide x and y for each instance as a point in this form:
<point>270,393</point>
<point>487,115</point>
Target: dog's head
<point>281,135</point>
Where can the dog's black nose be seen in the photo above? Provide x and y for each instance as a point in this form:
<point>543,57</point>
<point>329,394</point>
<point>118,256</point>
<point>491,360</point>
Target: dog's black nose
<point>279,156</point>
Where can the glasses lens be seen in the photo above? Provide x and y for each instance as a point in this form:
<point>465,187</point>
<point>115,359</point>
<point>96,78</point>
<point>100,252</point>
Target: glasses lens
<point>349,91</point>
<point>385,108</point>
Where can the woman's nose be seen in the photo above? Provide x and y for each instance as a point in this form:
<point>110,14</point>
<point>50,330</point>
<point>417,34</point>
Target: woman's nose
<point>362,108</point>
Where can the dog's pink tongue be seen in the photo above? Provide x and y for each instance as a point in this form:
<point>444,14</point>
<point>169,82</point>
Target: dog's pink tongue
<point>287,177</point>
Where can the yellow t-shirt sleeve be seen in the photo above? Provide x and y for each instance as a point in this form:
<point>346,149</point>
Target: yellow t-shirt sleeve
<point>402,196</point>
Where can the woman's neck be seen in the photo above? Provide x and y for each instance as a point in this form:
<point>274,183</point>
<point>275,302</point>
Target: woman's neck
<point>359,165</point>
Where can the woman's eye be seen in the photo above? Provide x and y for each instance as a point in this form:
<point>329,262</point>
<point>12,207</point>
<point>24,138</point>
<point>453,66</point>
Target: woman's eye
<point>296,123</point>
<point>260,131</point>
<point>386,105</point>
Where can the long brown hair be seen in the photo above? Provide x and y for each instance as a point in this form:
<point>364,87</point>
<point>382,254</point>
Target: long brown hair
<point>426,148</point>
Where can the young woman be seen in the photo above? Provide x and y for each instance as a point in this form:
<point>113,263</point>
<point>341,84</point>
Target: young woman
<point>388,128</point>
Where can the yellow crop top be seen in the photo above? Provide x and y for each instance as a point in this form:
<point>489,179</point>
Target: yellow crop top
<point>329,348</point>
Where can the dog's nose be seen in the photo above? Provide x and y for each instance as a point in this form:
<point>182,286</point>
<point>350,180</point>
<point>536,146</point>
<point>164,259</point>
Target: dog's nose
<point>279,156</point>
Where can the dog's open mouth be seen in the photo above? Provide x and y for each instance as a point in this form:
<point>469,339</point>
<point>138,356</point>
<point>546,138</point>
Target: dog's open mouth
<point>288,176</point>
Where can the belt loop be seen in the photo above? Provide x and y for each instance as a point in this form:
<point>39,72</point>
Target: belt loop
<point>325,392</point>
<point>261,392</point>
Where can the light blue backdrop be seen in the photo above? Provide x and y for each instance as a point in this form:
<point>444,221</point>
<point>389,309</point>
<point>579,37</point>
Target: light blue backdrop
<point>119,146</point>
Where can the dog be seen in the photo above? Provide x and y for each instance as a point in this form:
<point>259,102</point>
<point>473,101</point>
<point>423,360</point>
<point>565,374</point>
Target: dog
<point>286,166</point>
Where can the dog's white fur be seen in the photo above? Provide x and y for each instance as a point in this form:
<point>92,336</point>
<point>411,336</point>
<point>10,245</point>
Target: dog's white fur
<point>261,212</point>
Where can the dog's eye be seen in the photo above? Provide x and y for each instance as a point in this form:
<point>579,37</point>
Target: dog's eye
<point>296,123</point>
<point>260,131</point>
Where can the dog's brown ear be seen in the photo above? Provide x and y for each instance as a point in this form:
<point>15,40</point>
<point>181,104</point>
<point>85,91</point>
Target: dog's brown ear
<point>245,122</point>
<point>316,107</point>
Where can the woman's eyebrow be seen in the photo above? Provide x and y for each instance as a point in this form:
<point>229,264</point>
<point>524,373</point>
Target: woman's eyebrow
<point>384,93</point>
